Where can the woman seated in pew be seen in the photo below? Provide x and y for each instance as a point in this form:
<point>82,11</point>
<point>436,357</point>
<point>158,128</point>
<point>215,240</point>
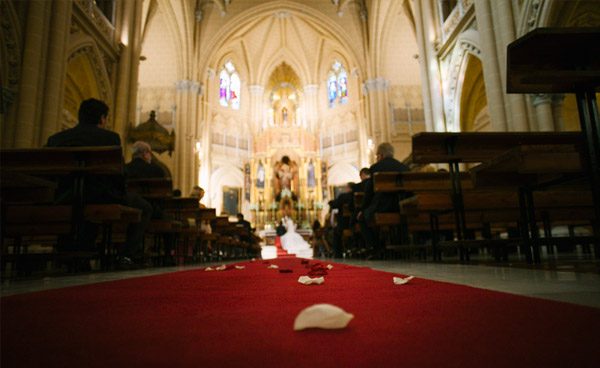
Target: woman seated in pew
<point>91,132</point>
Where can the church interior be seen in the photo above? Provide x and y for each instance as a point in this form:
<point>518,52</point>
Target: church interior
<point>291,183</point>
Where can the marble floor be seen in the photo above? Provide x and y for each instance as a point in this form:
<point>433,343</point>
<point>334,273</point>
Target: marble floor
<point>561,285</point>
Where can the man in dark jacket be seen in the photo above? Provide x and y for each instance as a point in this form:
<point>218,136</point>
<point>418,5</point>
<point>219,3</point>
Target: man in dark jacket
<point>345,199</point>
<point>93,115</point>
<point>365,175</point>
<point>141,165</point>
<point>379,202</point>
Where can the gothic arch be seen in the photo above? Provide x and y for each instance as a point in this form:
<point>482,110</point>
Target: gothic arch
<point>467,45</point>
<point>227,175</point>
<point>554,13</point>
<point>472,113</point>
<point>257,14</point>
<point>283,56</point>
<point>341,173</point>
<point>328,59</point>
<point>86,76</point>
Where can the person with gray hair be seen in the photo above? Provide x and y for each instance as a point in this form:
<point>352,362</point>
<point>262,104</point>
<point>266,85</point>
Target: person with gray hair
<point>379,202</point>
<point>141,165</point>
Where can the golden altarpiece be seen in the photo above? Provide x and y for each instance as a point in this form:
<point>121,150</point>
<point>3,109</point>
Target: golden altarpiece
<point>285,176</point>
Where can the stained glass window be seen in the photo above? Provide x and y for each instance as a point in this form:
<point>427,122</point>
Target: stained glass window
<point>337,85</point>
<point>229,87</point>
<point>224,88</point>
<point>332,89</point>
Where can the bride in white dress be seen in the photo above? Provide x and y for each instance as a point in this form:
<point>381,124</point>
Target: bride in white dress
<point>293,242</point>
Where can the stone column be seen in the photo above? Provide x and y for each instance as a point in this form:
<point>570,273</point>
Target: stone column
<point>136,51</point>
<point>257,94</point>
<point>491,74</point>
<point>430,70</point>
<point>54,85</point>
<point>557,111</point>
<point>32,71</point>
<point>543,109</point>
<point>187,101</point>
<point>376,91</point>
<point>516,112</point>
<point>311,106</point>
<point>129,36</point>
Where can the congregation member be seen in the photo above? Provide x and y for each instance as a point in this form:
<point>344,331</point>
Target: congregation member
<point>344,199</point>
<point>198,192</point>
<point>365,175</point>
<point>141,165</point>
<point>359,243</point>
<point>243,223</point>
<point>379,202</point>
<point>91,131</point>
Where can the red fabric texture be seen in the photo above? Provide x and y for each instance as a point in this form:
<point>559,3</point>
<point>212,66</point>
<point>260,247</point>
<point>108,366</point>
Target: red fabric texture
<point>244,318</point>
<point>281,253</point>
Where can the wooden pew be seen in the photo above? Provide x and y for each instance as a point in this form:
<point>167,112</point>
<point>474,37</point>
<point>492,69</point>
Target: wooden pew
<point>474,147</point>
<point>78,164</point>
<point>535,65</point>
<point>21,188</point>
<point>434,199</point>
<point>391,182</point>
<point>151,188</point>
<point>530,169</point>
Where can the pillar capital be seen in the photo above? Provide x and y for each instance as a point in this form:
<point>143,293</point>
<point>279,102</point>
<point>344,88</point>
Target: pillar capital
<point>256,89</point>
<point>541,99</point>
<point>375,84</point>
<point>311,88</point>
<point>189,85</point>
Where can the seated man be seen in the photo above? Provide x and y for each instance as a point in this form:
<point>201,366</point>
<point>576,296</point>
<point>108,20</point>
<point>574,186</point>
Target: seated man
<point>379,202</point>
<point>198,192</point>
<point>342,200</point>
<point>141,165</point>
<point>365,175</point>
<point>245,224</point>
<point>93,115</point>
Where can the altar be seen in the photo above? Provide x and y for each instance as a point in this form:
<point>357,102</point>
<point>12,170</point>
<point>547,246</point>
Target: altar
<point>269,235</point>
<point>285,175</point>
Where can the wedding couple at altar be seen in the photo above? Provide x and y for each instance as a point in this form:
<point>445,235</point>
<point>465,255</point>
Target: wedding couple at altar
<point>291,241</point>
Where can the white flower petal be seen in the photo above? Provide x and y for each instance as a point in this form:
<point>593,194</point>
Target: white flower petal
<point>402,281</point>
<point>325,316</point>
<point>307,280</point>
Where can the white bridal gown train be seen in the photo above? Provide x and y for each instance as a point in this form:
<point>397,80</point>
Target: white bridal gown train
<point>293,242</point>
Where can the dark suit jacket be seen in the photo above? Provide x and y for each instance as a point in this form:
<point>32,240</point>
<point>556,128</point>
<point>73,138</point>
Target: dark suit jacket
<point>140,169</point>
<point>382,202</point>
<point>339,202</point>
<point>245,224</point>
<point>84,135</point>
<point>98,188</point>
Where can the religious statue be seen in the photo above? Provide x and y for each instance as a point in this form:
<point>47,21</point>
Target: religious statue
<point>284,115</point>
<point>286,176</point>
<point>310,178</point>
<point>260,176</point>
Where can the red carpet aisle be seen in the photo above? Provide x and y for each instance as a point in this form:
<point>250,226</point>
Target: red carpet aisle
<point>281,253</point>
<point>244,318</point>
